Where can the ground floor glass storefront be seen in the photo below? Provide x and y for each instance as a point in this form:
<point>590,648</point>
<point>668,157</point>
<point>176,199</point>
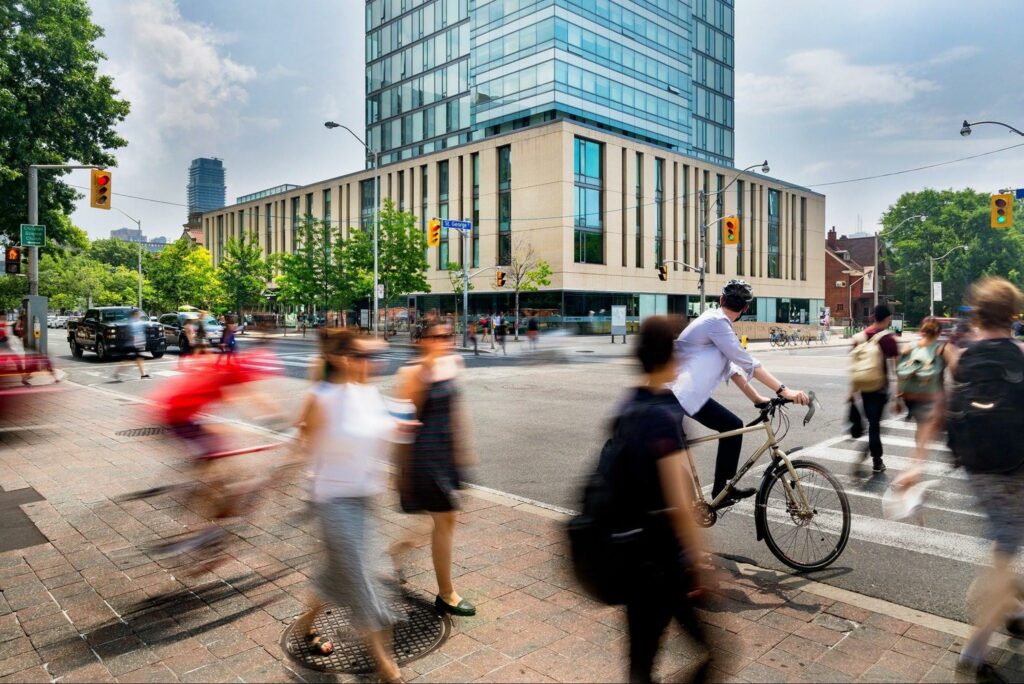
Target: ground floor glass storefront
<point>590,312</point>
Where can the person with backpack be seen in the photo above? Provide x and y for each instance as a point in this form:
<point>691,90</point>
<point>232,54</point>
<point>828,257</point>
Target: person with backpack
<point>636,541</point>
<point>710,353</point>
<point>873,377</point>
<point>986,435</point>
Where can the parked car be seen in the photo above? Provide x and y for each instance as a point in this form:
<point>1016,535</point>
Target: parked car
<point>50,319</point>
<point>173,325</point>
<point>105,331</point>
<point>60,322</point>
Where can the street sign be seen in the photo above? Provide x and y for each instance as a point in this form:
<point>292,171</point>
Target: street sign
<point>937,291</point>
<point>32,235</point>
<point>1020,193</point>
<point>380,291</point>
<point>452,224</point>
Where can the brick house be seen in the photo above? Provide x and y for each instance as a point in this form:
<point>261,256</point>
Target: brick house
<point>844,289</point>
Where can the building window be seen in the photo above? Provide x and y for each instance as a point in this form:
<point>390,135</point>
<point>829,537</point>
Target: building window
<point>686,213</point>
<point>589,217</point>
<point>659,211</point>
<point>803,238</point>
<point>295,223</point>
<point>442,212</point>
<point>639,199</point>
<point>401,191</point>
<point>474,162</point>
<point>241,224</point>
<point>504,205</point>
<point>327,206</point>
<point>309,206</point>
<point>423,206</point>
<point>366,203</point>
<point>773,233</point>
<point>220,237</point>
<point>754,230</point>
<point>268,212</point>
<point>739,220</point>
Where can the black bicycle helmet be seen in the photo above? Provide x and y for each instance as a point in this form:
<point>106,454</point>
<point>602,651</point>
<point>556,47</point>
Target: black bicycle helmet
<point>736,295</point>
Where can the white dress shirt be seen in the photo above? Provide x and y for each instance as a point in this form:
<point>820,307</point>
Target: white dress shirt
<point>709,352</point>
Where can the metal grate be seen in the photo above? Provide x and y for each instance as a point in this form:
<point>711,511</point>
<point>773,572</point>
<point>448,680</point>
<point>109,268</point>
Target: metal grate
<point>141,432</point>
<point>419,631</point>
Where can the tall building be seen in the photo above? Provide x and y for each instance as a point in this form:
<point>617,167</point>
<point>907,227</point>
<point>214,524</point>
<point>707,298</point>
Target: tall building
<point>206,188</point>
<point>440,73</point>
<point>552,132</point>
<point>128,234</point>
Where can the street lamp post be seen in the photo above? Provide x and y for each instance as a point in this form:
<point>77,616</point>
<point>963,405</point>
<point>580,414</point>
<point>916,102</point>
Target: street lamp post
<point>376,222</point>
<point>702,235</point>
<point>878,281</point>
<point>849,289</point>
<point>138,222</point>
<point>931,276</point>
<point>965,129</point>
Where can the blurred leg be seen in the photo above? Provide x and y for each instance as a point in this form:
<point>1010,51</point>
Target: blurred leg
<point>441,543</point>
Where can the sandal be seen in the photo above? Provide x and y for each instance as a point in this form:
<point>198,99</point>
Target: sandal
<point>317,643</point>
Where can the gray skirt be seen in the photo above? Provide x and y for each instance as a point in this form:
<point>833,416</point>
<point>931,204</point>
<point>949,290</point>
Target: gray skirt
<point>352,571</point>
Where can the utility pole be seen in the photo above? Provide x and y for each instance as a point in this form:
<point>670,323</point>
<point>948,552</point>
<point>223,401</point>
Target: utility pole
<point>465,287</point>
<point>702,246</point>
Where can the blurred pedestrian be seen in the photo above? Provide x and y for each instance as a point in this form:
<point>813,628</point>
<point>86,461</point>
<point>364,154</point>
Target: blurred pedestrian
<point>137,332</point>
<point>345,429</point>
<point>187,340</point>
<point>873,376</point>
<point>485,325</point>
<point>653,495</point>
<point>921,370</point>
<point>430,470</point>
<point>532,332</point>
<point>229,338</point>
<point>472,338</point>
<point>986,435</point>
<point>500,333</point>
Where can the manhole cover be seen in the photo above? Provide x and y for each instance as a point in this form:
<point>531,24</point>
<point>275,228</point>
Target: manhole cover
<point>141,432</point>
<point>420,630</point>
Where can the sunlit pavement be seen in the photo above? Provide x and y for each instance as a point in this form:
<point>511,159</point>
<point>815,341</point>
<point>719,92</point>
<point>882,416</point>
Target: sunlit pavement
<point>92,604</point>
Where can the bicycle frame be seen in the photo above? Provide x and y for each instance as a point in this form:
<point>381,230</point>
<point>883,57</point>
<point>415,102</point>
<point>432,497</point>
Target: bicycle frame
<point>769,445</point>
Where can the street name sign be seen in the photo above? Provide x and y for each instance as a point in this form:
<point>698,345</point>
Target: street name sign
<point>452,224</point>
<point>32,235</point>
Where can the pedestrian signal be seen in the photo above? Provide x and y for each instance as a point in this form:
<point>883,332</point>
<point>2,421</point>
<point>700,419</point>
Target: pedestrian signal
<point>499,279</point>
<point>12,260</point>
<point>732,230</point>
<point>663,272</point>
<point>1001,211</point>
<point>99,198</point>
<point>434,233</point>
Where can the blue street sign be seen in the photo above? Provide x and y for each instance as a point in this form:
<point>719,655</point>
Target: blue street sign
<point>452,224</point>
<point>1020,193</point>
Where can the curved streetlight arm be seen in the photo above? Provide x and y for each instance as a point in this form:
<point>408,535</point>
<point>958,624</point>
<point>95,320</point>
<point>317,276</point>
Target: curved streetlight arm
<point>963,247</point>
<point>967,126</point>
<point>735,178</point>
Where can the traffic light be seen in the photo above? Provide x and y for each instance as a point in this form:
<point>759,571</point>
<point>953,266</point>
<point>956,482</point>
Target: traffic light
<point>12,260</point>
<point>434,233</point>
<point>663,272</point>
<point>731,230</point>
<point>499,279</point>
<point>1002,211</point>
<point>100,196</point>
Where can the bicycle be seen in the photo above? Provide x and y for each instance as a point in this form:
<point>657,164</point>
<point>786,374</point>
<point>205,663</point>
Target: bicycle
<point>799,504</point>
<point>824,335</point>
<point>777,338</point>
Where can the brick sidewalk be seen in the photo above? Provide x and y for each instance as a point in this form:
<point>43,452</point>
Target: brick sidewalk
<point>91,606</point>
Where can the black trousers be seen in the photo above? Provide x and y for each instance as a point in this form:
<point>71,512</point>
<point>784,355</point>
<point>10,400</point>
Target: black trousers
<point>716,417</point>
<point>659,595</point>
<point>874,411</point>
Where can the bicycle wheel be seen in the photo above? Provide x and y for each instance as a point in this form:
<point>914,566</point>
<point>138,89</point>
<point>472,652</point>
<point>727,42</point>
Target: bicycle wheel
<point>810,540</point>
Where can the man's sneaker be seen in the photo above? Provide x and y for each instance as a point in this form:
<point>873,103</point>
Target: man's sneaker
<point>878,466</point>
<point>736,495</point>
<point>1016,627</point>
<point>983,673</point>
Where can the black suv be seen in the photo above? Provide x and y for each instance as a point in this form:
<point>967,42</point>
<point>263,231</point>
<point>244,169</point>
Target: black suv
<point>106,331</point>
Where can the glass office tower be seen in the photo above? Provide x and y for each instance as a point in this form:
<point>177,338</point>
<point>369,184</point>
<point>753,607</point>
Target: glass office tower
<point>206,188</point>
<point>443,72</point>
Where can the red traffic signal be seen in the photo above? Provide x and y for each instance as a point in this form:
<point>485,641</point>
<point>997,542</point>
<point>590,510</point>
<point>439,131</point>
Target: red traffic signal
<point>12,260</point>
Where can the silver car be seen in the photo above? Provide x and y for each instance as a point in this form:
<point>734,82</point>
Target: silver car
<point>174,328</point>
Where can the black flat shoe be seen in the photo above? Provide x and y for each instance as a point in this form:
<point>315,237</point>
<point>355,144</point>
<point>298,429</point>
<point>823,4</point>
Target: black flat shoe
<point>737,495</point>
<point>464,609</point>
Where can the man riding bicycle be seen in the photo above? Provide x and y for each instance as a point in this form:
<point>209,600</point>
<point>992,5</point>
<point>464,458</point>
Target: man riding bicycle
<point>710,352</point>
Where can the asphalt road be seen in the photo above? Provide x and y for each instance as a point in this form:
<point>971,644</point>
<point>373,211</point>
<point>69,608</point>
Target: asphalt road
<point>539,426</point>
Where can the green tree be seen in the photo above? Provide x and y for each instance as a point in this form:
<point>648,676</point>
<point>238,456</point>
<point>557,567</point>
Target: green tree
<point>12,289</point>
<point>401,260</point>
<point>54,106</point>
<point>526,272</point>
<point>243,272</point>
<point>953,218</point>
<point>183,273</point>
<point>314,276</point>
<point>118,253</point>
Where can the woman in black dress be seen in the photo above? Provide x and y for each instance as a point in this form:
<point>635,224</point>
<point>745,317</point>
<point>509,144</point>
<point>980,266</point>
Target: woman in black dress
<point>430,468</point>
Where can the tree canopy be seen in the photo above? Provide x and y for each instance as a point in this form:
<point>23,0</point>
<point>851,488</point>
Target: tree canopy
<point>243,272</point>
<point>55,108</point>
<point>183,273</point>
<point>953,218</point>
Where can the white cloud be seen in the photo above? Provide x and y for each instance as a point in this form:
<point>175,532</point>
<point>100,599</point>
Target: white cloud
<point>827,80</point>
<point>956,53</point>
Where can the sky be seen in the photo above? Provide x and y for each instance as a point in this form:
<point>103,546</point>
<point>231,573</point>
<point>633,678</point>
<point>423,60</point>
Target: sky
<point>826,91</point>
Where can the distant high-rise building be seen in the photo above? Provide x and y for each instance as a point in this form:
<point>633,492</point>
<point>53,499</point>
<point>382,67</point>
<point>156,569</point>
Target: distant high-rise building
<point>206,188</point>
<point>128,235</point>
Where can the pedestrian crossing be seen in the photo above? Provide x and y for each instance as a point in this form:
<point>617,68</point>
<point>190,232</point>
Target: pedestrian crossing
<point>949,525</point>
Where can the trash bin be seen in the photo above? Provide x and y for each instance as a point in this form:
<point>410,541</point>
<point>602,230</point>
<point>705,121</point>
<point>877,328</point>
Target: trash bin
<point>743,341</point>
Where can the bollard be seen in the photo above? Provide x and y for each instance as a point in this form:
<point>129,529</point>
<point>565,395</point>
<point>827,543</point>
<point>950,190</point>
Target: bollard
<point>743,341</point>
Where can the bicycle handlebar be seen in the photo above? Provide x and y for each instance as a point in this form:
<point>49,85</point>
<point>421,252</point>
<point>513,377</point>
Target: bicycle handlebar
<point>768,408</point>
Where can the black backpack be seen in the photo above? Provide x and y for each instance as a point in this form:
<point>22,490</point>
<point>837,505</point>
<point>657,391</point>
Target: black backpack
<point>985,414</point>
<point>602,551</point>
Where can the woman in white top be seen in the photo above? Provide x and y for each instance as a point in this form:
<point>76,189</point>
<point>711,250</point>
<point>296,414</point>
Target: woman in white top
<point>346,430</point>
